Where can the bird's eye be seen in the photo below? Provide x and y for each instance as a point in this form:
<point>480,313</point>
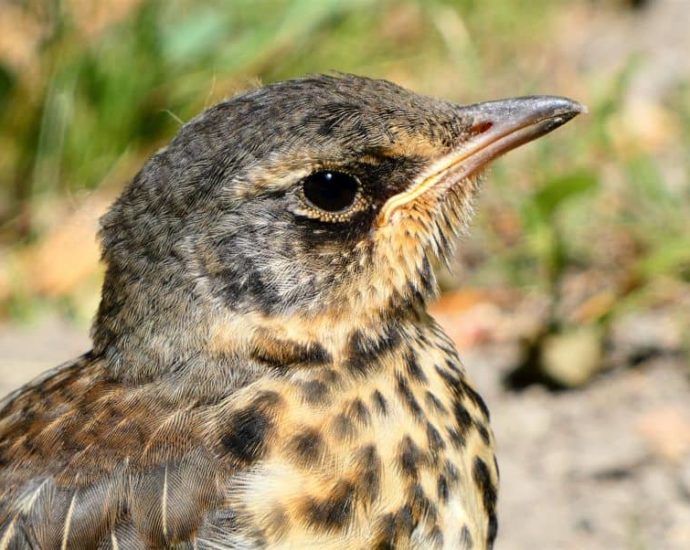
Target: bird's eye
<point>330,191</point>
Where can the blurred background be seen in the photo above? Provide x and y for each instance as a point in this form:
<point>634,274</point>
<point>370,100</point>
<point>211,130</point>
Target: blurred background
<point>569,301</point>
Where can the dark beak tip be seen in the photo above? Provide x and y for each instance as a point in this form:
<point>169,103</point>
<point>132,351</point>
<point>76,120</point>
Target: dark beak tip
<point>562,106</point>
<point>550,112</point>
<point>526,109</point>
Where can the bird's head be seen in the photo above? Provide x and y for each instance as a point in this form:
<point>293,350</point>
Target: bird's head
<point>313,204</point>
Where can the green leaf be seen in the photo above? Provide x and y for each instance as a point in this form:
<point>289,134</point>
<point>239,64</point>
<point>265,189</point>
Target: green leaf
<point>668,257</point>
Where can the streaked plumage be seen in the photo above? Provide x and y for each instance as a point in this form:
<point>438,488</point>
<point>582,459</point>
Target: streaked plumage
<point>264,372</point>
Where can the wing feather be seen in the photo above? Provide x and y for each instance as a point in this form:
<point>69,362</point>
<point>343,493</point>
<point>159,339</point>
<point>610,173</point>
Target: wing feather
<point>88,463</point>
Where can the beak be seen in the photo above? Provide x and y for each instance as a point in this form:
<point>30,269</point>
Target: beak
<point>495,128</point>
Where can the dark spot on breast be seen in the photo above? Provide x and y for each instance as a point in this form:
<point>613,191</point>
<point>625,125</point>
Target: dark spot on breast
<point>421,504</point>
<point>414,369</point>
<point>452,366</point>
<point>422,336</point>
<point>394,529</point>
<point>447,348</point>
<point>410,458</point>
<point>434,403</point>
<point>427,275</point>
<point>360,358</point>
<point>358,412</point>
<point>452,473</point>
<point>368,472</point>
<point>456,438</point>
<point>315,392</point>
<point>412,296</point>
<point>466,541</point>
<point>247,429</point>
<point>379,402</point>
<point>482,478</point>
<point>435,441</point>
<point>330,377</point>
<point>385,533</point>
<point>442,488</point>
<point>307,446</point>
<point>451,380</point>
<point>462,417</point>
<point>334,512</point>
<point>365,350</point>
<point>245,440</point>
<point>342,427</point>
<point>476,398</point>
<point>483,433</point>
<point>460,388</point>
<point>405,519</point>
<point>408,398</point>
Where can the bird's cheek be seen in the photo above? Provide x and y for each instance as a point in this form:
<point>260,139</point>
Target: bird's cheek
<point>400,249</point>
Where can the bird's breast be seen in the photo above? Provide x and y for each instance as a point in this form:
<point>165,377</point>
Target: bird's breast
<point>388,447</point>
<point>384,446</point>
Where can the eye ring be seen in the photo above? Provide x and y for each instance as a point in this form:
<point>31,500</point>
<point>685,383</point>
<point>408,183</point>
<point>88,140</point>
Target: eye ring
<point>331,195</point>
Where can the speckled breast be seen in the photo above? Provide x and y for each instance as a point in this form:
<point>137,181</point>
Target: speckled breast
<point>387,446</point>
<point>390,449</point>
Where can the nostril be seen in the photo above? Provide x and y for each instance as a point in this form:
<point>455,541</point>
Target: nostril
<point>480,127</point>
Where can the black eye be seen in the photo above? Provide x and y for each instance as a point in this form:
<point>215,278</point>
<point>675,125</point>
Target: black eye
<point>330,191</point>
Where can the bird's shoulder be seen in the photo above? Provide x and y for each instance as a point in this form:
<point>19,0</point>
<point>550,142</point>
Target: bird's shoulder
<point>87,461</point>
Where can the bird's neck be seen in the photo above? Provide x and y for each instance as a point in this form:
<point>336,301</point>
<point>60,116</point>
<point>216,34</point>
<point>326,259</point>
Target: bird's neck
<point>307,340</point>
<point>146,335</point>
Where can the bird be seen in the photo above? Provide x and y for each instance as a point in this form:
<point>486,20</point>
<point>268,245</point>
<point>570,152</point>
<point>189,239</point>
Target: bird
<point>264,371</point>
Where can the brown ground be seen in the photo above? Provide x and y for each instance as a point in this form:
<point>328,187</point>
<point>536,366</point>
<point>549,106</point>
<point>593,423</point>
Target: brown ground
<point>607,466</point>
